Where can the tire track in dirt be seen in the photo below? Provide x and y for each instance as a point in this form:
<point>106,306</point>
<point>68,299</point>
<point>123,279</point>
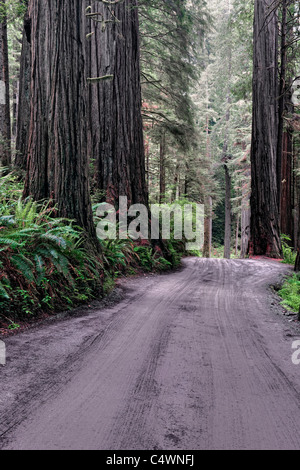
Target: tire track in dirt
<point>189,360</point>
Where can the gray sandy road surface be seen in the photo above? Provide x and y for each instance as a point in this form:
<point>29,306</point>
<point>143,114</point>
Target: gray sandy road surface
<point>196,359</point>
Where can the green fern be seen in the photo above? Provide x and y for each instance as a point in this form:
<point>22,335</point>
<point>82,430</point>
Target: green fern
<point>8,242</point>
<point>24,265</point>
<point>4,291</point>
<point>42,262</point>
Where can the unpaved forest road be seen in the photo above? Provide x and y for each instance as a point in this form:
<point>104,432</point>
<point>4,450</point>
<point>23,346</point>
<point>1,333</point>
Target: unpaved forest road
<point>195,359</point>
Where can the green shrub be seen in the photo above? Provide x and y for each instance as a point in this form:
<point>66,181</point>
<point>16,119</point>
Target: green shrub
<point>217,251</point>
<point>43,264</point>
<point>118,255</point>
<point>10,192</point>
<point>128,256</point>
<point>289,256</point>
<point>290,293</point>
<point>151,259</point>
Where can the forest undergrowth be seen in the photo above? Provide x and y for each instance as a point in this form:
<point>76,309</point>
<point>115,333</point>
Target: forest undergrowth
<point>290,290</point>
<point>45,267</point>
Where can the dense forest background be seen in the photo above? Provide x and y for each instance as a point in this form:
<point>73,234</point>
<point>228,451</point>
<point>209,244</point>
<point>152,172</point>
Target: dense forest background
<point>162,101</point>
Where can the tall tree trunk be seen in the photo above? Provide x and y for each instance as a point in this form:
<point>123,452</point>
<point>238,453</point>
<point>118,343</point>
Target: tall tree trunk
<point>175,194</point>
<point>282,97</point>
<point>207,246</point>
<point>296,153</point>
<point>245,221</point>
<point>226,157</point>
<point>287,203</point>
<point>228,220</point>
<point>23,116</point>
<point>147,155</point>
<point>162,168</point>
<point>237,234</point>
<point>186,184</point>
<point>117,142</point>
<point>265,223</point>
<point>208,228</point>
<point>5,121</point>
<point>208,205</point>
<point>15,90</point>
<point>15,108</point>
<point>58,165</point>
<point>296,193</point>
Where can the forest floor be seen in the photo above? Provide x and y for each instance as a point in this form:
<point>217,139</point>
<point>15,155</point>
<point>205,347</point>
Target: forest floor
<point>200,358</point>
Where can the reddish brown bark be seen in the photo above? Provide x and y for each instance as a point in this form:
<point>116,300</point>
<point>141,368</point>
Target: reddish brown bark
<point>115,121</point>
<point>265,231</point>
<point>207,245</point>
<point>57,165</point>
<point>5,121</point>
<point>228,215</point>
<point>282,96</point>
<point>23,116</point>
<point>245,220</point>
<point>162,168</point>
<point>287,186</point>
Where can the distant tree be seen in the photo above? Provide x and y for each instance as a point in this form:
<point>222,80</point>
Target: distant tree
<point>23,112</point>
<point>172,37</point>
<point>224,100</point>
<point>5,120</point>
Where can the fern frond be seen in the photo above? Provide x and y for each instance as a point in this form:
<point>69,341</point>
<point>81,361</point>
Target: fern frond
<point>24,265</point>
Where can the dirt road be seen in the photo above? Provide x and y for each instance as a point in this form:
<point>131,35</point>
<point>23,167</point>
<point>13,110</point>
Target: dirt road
<point>196,359</point>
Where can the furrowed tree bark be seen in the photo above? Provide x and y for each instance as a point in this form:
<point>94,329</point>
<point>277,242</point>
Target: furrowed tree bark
<point>296,193</point>
<point>23,115</point>
<point>147,156</point>
<point>228,217</point>
<point>225,159</point>
<point>265,223</point>
<point>162,169</point>
<point>5,121</point>
<point>245,221</point>
<point>237,234</point>
<point>208,228</point>
<point>58,165</point>
<point>207,245</point>
<point>287,203</point>
<point>282,97</point>
<point>297,207</point>
<point>116,136</point>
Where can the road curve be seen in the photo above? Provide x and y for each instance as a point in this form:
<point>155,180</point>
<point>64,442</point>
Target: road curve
<point>196,359</point>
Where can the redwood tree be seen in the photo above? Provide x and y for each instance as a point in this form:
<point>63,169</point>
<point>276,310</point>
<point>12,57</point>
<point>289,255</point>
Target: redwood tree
<point>5,121</point>
<point>162,168</point>
<point>23,114</point>
<point>265,223</point>
<point>115,118</point>
<point>57,161</point>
